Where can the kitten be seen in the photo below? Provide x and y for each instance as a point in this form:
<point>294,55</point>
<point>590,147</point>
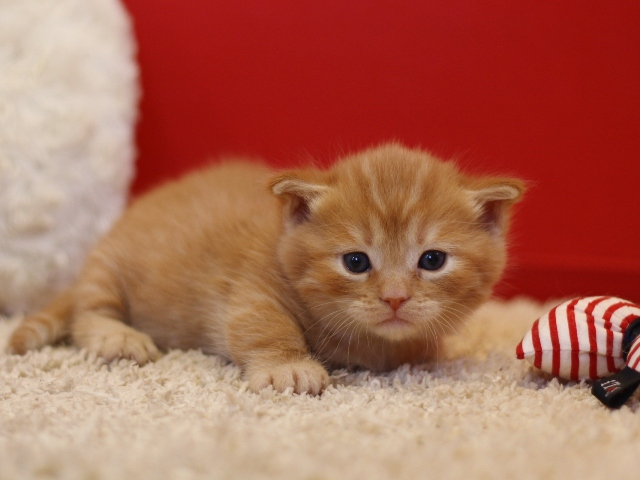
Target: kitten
<point>363,264</point>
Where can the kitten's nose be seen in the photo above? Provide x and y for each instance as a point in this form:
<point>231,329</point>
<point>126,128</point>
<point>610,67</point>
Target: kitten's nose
<point>395,302</point>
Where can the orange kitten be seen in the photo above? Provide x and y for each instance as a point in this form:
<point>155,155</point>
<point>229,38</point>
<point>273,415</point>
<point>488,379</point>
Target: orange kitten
<point>359,265</point>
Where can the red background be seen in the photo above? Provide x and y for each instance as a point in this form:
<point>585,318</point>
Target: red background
<point>547,91</point>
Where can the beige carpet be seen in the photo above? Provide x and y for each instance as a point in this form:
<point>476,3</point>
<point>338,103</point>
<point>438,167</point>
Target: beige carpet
<point>474,415</point>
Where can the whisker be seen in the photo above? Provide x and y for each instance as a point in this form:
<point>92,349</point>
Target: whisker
<point>351,322</point>
<point>334,328</point>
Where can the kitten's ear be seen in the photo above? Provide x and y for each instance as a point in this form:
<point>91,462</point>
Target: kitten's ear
<point>300,190</point>
<point>492,199</point>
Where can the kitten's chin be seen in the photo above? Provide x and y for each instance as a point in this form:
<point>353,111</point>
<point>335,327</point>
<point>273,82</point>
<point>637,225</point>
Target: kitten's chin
<point>395,328</point>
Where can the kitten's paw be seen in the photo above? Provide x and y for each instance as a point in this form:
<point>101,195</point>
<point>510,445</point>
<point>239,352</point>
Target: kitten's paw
<point>126,343</point>
<point>34,332</point>
<point>304,376</point>
<point>22,340</point>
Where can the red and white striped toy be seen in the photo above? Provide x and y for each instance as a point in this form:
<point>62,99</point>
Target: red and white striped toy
<point>587,338</point>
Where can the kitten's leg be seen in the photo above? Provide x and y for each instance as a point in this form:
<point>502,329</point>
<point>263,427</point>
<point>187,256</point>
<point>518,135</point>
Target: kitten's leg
<point>98,324</point>
<point>45,327</point>
<point>270,347</point>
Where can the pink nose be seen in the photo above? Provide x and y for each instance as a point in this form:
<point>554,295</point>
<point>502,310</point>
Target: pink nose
<point>395,302</point>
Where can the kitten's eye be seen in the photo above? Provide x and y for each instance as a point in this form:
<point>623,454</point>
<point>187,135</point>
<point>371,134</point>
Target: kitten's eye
<point>356,262</point>
<point>432,260</point>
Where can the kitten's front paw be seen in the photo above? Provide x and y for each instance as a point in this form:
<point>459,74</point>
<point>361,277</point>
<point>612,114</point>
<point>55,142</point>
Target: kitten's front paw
<point>126,343</point>
<point>304,376</point>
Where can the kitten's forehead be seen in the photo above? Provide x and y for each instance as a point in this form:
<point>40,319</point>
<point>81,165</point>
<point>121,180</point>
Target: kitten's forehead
<point>394,196</point>
<point>390,183</point>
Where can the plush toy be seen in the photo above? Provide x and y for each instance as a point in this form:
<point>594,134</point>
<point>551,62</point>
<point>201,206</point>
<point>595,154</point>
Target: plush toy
<point>591,338</point>
<point>68,106</point>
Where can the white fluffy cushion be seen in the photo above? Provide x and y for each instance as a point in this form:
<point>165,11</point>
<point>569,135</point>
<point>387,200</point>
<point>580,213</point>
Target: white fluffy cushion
<point>68,102</point>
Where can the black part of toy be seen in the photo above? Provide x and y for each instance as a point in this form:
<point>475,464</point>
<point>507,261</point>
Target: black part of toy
<point>614,390</point>
<point>630,334</point>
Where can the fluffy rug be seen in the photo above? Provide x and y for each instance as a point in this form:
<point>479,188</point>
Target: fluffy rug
<point>475,413</point>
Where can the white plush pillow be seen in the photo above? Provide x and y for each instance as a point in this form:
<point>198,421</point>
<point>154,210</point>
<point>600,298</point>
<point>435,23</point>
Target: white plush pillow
<point>68,104</point>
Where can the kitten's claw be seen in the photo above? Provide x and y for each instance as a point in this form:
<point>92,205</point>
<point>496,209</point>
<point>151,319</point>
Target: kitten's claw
<point>304,376</point>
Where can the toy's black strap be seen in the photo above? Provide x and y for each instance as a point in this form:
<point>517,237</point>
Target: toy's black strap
<point>630,334</point>
<point>616,389</point>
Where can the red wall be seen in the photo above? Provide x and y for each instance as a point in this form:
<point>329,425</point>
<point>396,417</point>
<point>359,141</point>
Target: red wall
<point>548,91</point>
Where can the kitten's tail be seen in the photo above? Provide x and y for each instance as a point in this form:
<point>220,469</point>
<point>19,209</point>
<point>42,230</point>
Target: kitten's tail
<point>48,326</point>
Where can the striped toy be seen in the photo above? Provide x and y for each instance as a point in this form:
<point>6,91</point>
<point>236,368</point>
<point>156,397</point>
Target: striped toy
<point>588,338</point>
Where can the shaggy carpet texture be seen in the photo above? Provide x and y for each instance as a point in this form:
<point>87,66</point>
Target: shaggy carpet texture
<point>475,413</point>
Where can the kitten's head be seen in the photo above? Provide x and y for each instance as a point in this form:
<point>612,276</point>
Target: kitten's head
<point>392,240</point>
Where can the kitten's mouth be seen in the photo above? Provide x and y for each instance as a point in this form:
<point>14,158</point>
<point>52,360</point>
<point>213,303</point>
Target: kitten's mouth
<point>393,323</point>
